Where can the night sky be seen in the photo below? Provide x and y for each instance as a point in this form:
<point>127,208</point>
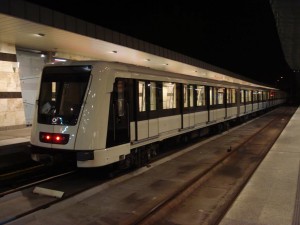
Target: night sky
<point>239,36</point>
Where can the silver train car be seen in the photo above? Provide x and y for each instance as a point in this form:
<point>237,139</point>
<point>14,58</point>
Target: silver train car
<point>103,113</point>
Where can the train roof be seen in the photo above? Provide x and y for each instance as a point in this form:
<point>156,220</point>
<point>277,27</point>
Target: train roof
<point>203,74</point>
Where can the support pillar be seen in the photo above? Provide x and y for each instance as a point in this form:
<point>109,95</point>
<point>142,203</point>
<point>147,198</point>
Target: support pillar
<point>12,113</point>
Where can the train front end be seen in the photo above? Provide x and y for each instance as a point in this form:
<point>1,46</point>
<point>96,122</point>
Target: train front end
<point>57,113</point>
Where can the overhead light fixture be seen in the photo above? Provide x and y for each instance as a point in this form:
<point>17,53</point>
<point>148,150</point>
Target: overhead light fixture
<point>40,35</point>
<point>147,60</point>
<point>165,64</point>
<point>59,60</point>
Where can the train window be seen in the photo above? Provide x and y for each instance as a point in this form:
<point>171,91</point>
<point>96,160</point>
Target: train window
<point>228,95</point>
<point>48,94</point>
<point>200,90</point>
<point>53,91</point>
<point>264,96</point>
<point>120,90</point>
<point>169,95</point>
<point>61,94</point>
<point>216,96</point>
<point>191,93</point>
<point>185,96</point>
<point>248,96</point>
<point>220,97</point>
<point>142,96</point>
<point>242,97</point>
<point>259,96</point>
<point>188,96</point>
<point>255,97</point>
<point>152,86</point>
<point>212,96</point>
<point>231,96</point>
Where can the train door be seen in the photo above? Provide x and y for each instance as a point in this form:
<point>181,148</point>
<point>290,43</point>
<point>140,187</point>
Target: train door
<point>212,93</point>
<point>242,102</point>
<point>188,103</point>
<point>118,126</point>
<point>227,100</point>
<point>147,115</point>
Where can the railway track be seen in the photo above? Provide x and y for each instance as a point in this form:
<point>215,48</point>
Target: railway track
<point>24,175</point>
<point>225,179</point>
<point>70,183</point>
<point>231,170</point>
<point>23,179</point>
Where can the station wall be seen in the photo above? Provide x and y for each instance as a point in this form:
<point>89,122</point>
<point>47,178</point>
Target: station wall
<point>11,103</point>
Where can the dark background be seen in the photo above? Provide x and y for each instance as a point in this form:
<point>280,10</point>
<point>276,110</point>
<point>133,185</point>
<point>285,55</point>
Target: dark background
<point>239,36</point>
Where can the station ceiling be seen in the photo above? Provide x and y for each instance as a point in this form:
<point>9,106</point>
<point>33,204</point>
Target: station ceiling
<point>39,38</point>
<point>29,26</point>
<point>25,33</point>
<point>287,17</point>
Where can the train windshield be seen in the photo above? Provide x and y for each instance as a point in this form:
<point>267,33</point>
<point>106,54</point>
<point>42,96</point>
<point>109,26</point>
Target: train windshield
<point>61,94</point>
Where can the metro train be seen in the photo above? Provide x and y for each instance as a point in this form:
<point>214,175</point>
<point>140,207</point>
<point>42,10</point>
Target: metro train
<point>104,113</point>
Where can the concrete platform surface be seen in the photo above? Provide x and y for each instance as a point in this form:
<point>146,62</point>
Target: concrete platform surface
<point>269,198</point>
<point>16,136</point>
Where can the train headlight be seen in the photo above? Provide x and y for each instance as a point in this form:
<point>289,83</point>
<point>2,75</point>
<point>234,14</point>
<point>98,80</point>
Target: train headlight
<point>54,138</point>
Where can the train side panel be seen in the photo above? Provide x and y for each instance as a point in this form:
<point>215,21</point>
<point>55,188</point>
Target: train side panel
<point>232,112</point>
<point>93,122</point>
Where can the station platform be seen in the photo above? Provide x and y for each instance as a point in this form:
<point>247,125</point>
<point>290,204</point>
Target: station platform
<point>269,198</point>
<point>15,136</point>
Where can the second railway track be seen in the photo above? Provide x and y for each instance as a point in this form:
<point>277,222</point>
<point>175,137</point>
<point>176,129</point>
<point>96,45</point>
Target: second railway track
<point>207,197</point>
